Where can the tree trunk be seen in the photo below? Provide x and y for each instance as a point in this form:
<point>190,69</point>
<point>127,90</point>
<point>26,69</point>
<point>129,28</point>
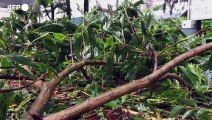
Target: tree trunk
<point>68,9</point>
<point>86,6</point>
<point>52,10</point>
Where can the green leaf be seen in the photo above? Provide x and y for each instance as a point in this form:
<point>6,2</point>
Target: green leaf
<point>138,118</point>
<point>110,62</point>
<point>53,27</point>
<point>20,59</point>
<point>42,67</point>
<point>109,42</point>
<point>190,77</point>
<point>122,20</point>
<point>23,103</point>
<point>207,38</point>
<point>49,2</point>
<point>6,100</point>
<point>189,102</point>
<point>51,74</point>
<point>204,114</point>
<point>124,99</point>
<point>96,90</point>
<point>131,73</point>
<point>60,36</point>
<point>138,3</point>
<point>45,3</point>
<point>78,32</point>
<point>93,88</point>
<point>23,71</point>
<point>209,63</point>
<point>112,104</point>
<point>2,44</point>
<point>4,62</point>
<point>201,111</point>
<point>2,52</point>
<point>187,114</point>
<point>176,110</point>
<point>148,20</point>
<point>78,46</point>
<point>143,28</point>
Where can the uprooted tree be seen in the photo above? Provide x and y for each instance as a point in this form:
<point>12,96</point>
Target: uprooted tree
<point>121,62</point>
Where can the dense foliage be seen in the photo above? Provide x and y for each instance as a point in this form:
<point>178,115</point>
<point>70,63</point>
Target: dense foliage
<point>133,40</point>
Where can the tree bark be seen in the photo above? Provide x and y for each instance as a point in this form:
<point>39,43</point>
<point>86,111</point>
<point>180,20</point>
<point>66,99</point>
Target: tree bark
<point>135,85</point>
<point>37,108</point>
<point>68,9</point>
<point>52,10</point>
<point>86,6</point>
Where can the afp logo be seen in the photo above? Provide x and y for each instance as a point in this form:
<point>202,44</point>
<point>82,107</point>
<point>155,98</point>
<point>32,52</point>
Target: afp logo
<point>23,7</point>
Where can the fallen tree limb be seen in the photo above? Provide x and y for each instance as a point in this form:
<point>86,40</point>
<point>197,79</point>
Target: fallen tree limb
<point>135,85</point>
<point>77,66</point>
<point>48,87</point>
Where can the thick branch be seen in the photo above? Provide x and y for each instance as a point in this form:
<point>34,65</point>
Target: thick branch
<point>128,88</point>
<point>77,66</point>
<point>82,70</point>
<point>38,106</point>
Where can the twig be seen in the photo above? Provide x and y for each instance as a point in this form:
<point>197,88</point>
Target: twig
<point>154,60</point>
<point>61,89</point>
<point>132,112</point>
<point>79,65</point>
<point>71,48</point>
<point>13,77</point>
<point>165,77</point>
<point>180,79</point>
<point>19,88</point>
<point>47,13</point>
<point>184,39</point>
